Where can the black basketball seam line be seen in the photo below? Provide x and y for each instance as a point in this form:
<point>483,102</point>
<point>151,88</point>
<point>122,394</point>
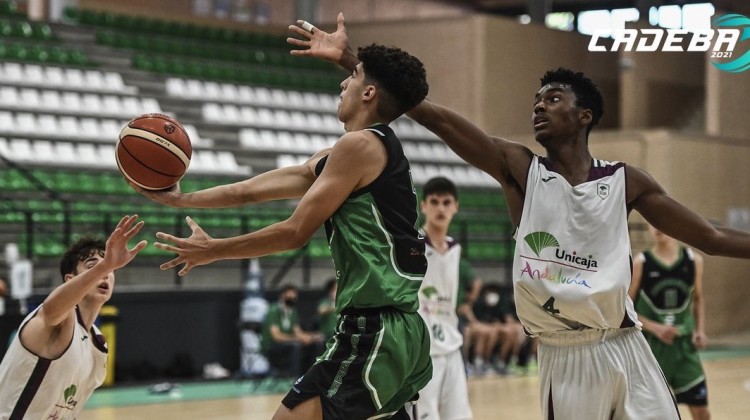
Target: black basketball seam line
<point>169,120</point>
<point>165,148</point>
<point>146,166</point>
<point>190,152</point>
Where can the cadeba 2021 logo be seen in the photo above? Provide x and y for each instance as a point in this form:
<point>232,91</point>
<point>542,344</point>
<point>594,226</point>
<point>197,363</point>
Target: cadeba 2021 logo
<point>728,52</point>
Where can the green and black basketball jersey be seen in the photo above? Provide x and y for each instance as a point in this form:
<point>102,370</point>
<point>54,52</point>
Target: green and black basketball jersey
<point>376,248</point>
<point>666,293</point>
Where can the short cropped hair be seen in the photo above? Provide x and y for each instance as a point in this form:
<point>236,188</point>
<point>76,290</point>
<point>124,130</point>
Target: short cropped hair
<point>401,75</point>
<point>287,288</point>
<point>587,93</point>
<point>440,185</point>
<point>330,284</point>
<point>82,250</point>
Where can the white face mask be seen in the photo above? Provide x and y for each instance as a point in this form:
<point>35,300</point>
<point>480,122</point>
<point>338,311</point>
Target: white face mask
<point>491,299</point>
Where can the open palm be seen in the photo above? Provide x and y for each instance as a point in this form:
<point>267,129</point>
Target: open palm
<point>319,43</point>
<point>192,251</point>
<point>116,253</point>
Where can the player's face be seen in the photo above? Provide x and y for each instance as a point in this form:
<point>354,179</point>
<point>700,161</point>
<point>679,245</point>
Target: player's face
<point>105,285</point>
<point>439,209</point>
<point>555,113</point>
<point>289,297</point>
<point>352,89</point>
<point>659,236</point>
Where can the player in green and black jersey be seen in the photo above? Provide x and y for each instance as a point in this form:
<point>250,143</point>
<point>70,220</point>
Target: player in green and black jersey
<point>668,296</point>
<point>362,190</point>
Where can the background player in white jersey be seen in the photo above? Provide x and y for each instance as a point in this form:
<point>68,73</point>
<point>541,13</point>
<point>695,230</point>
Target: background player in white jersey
<point>443,289</point>
<point>572,262</point>
<point>58,357</point>
<point>667,289</point>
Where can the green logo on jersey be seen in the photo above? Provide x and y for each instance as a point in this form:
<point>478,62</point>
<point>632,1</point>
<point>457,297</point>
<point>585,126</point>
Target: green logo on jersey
<point>540,240</point>
<point>429,292</point>
<point>69,393</point>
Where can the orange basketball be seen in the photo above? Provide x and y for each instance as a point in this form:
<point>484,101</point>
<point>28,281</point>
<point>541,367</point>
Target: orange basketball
<point>154,151</point>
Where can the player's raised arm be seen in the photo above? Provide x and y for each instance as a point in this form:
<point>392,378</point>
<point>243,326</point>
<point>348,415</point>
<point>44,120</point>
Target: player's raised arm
<point>504,160</point>
<point>63,299</point>
<point>647,197</point>
<point>278,184</point>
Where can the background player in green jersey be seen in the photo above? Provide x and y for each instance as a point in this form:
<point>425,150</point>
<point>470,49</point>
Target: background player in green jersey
<point>284,340</point>
<point>667,289</point>
<point>361,190</point>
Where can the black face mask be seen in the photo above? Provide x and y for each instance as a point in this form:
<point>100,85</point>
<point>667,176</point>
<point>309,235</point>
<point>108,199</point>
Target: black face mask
<point>290,302</point>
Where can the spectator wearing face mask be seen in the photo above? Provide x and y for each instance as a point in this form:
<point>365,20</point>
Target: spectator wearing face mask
<point>289,349</point>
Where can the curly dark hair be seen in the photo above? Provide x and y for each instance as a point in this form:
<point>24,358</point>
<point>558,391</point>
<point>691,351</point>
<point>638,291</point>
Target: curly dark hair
<point>401,75</point>
<point>440,185</point>
<point>587,93</point>
<point>80,251</point>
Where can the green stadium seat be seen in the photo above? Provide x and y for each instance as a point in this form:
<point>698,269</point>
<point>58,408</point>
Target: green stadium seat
<point>18,52</point>
<point>48,247</point>
<point>228,35</point>
<point>8,8</point>
<point>88,17</point>
<point>11,217</point>
<point>38,53</point>
<point>78,58</point>
<point>318,248</point>
<point>71,12</point>
<point>23,30</point>
<point>59,56</point>
<point>43,32</point>
<point>6,28</point>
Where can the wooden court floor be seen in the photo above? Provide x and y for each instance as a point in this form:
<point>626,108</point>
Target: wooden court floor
<point>495,398</point>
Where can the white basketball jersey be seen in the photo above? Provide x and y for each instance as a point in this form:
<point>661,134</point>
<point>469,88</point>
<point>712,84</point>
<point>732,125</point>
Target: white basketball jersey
<point>33,387</point>
<point>437,298</point>
<point>572,265</point>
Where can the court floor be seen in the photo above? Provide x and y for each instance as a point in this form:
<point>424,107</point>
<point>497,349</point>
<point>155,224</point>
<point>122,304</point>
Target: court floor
<point>493,398</point>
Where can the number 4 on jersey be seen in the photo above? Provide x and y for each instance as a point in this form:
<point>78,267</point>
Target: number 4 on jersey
<point>549,306</point>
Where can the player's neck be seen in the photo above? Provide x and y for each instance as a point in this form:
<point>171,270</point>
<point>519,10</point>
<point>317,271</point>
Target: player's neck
<point>437,236</point>
<point>571,160</point>
<point>89,311</point>
<point>362,120</point>
<point>667,251</point>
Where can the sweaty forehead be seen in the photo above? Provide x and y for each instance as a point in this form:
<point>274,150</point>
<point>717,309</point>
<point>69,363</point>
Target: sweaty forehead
<point>554,86</point>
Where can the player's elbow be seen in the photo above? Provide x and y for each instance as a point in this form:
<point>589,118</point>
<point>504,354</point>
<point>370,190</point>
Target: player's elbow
<point>712,244</point>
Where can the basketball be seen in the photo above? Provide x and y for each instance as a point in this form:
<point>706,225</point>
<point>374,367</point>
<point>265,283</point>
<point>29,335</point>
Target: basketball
<point>154,151</point>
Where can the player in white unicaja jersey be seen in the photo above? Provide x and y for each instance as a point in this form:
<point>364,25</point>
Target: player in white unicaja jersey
<point>59,357</point>
<point>573,251</point>
<point>571,211</point>
<point>441,295</point>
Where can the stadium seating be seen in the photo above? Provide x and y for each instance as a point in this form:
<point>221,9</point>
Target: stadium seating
<point>60,116</point>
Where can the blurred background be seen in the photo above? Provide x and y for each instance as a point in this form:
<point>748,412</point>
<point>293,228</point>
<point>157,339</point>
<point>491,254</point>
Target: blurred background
<point>72,73</point>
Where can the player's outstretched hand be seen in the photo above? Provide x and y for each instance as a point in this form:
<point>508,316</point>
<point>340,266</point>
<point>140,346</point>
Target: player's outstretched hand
<point>116,253</point>
<point>192,251</point>
<point>318,43</point>
<point>169,196</point>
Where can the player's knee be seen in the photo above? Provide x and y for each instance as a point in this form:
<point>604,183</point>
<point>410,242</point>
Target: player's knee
<point>700,412</point>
